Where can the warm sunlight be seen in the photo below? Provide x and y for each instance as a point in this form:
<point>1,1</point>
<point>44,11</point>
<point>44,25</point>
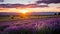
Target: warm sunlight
<point>24,11</point>
<point>24,15</point>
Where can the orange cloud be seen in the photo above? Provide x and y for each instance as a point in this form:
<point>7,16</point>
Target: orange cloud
<point>46,9</point>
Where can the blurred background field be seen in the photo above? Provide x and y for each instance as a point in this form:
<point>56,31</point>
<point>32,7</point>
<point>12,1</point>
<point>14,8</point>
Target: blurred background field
<point>18,17</point>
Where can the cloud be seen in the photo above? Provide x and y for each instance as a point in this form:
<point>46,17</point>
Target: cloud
<point>54,5</point>
<point>19,1</point>
<point>1,0</point>
<point>42,4</point>
<point>48,1</point>
<point>28,1</point>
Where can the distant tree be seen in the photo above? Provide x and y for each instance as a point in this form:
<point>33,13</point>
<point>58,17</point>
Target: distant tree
<point>59,13</point>
<point>55,14</point>
<point>12,17</point>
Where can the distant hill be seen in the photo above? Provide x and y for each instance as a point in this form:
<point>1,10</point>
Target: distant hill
<point>8,13</point>
<point>33,13</point>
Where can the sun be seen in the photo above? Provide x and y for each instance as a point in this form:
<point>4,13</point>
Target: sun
<point>24,11</point>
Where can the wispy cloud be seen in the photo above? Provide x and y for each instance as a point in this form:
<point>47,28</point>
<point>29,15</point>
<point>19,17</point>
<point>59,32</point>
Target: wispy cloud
<point>19,1</point>
<point>54,5</point>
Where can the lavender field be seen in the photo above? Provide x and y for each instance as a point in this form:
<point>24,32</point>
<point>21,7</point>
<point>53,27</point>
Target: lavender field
<point>31,26</point>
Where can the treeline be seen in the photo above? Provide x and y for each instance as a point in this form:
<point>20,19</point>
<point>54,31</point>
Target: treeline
<point>57,13</point>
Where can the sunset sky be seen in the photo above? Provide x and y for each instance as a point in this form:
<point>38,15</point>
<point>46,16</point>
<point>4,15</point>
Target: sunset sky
<point>31,1</point>
<point>53,5</point>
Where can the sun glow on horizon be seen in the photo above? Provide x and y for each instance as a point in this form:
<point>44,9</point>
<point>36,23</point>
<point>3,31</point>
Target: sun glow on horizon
<point>28,10</point>
<point>24,11</point>
<point>24,14</point>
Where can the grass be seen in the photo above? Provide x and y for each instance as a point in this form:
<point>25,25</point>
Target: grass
<point>6,18</point>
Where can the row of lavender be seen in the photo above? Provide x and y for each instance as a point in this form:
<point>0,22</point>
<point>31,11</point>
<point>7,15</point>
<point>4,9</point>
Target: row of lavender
<point>31,26</point>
